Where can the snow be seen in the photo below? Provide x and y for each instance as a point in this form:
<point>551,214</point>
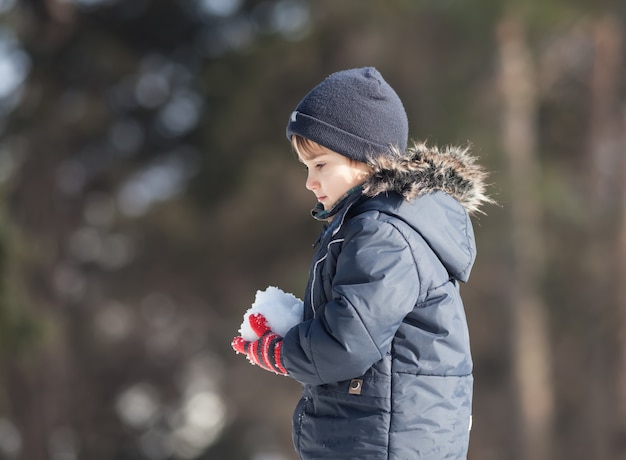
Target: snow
<point>282,311</point>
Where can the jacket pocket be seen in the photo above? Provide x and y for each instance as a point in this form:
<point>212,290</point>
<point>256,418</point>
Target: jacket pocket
<point>335,422</point>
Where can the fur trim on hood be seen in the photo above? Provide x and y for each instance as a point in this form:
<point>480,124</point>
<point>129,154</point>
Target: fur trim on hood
<point>424,169</point>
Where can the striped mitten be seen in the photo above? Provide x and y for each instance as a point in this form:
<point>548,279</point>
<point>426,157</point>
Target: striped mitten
<point>264,352</point>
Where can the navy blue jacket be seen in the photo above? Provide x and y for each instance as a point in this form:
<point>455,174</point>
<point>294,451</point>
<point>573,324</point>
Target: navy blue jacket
<point>383,353</point>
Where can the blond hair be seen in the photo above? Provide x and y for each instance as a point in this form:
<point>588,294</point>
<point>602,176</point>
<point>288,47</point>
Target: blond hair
<point>303,147</point>
<point>306,149</point>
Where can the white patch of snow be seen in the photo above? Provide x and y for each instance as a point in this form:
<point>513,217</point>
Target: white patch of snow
<point>282,311</point>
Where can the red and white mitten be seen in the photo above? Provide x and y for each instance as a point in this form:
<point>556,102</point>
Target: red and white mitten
<point>264,352</point>
<point>280,309</point>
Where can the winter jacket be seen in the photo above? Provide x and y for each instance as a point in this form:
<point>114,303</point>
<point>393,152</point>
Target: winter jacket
<point>383,353</point>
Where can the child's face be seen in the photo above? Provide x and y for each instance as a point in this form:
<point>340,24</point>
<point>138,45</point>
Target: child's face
<point>331,175</point>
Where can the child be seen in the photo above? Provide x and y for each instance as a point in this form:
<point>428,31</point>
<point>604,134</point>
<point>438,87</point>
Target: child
<point>383,350</point>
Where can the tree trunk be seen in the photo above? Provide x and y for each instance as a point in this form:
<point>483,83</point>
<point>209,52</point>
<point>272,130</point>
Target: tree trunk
<point>600,259</point>
<point>605,127</point>
<point>530,345</point>
<point>621,309</point>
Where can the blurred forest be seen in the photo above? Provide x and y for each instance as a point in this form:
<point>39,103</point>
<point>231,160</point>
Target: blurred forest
<point>147,191</point>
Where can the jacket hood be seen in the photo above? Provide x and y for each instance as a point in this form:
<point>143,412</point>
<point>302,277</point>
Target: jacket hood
<point>436,191</point>
<point>424,169</point>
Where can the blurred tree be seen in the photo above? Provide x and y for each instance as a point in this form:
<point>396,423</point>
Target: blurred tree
<point>620,381</point>
<point>606,152</point>
<point>531,354</point>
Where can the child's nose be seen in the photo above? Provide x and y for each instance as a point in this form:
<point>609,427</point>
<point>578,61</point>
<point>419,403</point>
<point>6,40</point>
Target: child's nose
<point>311,182</point>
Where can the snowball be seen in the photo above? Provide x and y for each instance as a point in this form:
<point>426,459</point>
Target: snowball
<point>282,311</point>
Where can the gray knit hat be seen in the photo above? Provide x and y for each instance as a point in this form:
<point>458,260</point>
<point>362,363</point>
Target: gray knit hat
<point>353,112</point>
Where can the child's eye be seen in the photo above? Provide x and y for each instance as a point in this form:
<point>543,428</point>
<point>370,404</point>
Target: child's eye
<point>320,165</point>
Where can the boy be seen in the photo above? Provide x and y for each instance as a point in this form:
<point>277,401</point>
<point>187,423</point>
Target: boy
<point>383,349</point>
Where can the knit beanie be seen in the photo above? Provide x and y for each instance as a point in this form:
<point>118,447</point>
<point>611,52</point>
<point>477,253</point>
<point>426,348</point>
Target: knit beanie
<point>352,112</point>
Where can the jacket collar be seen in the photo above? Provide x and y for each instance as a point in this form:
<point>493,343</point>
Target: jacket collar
<point>319,213</point>
<point>336,215</point>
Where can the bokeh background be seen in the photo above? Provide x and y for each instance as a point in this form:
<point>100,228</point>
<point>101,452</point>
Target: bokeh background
<point>147,192</point>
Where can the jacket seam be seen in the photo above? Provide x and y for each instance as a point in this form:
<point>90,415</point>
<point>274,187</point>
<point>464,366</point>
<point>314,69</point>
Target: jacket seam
<point>321,259</point>
<point>431,289</point>
<point>390,221</point>
<point>432,375</point>
<point>467,238</point>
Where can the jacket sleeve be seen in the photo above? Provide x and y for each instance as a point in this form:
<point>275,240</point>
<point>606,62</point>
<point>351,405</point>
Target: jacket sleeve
<point>375,286</point>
